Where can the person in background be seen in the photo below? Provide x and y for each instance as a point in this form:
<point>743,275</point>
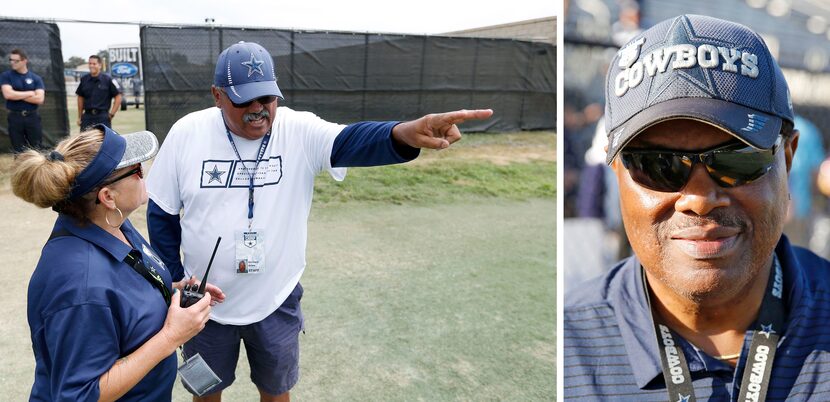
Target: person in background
<point>137,83</point>
<point>99,96</point>
<point>803,174</point>
<point>24,92</point>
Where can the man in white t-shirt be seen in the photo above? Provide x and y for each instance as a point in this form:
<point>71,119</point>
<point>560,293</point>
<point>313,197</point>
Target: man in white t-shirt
<point>244,170</point>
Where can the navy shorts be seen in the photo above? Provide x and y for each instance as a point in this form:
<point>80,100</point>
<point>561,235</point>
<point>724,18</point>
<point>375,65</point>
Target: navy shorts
<point>272,346</point>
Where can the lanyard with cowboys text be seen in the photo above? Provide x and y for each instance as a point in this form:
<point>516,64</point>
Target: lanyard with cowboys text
<point>757,366</point>
<point>251,173</point>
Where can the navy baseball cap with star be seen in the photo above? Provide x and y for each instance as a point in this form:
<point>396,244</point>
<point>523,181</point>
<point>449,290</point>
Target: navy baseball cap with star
<point>700,68</point>
<point>245,71</point>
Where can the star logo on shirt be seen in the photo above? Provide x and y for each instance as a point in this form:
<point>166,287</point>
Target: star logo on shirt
<point>254,65</point>
<point>683,398</point>
<point>215,174</point>
<point>766,330</point>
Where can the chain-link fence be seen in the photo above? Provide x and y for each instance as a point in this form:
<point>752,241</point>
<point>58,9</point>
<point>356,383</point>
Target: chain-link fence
<point>42,43</point>
<point>349,77</point>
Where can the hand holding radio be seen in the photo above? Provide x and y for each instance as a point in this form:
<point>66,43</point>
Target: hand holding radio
<point>182,324</point>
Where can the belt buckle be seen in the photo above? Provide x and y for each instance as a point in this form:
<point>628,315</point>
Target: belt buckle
<point>24,113</point>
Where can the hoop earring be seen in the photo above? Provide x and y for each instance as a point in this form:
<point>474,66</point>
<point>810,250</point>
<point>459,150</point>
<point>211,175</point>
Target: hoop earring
<point>120,218</point>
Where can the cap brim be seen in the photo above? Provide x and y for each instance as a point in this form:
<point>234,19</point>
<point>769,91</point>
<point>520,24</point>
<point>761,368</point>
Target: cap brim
<point>141,146</point>
<point>749,125</point>
<point>252,90</point>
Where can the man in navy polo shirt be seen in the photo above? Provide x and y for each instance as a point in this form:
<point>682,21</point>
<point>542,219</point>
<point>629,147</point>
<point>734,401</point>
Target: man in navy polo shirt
<point>715,304</point>
<point>23,91</point>
<point>99,96</point>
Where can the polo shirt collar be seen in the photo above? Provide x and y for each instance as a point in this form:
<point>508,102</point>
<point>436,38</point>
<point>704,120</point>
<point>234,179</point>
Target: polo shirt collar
<point>634,318</point>
<point>98,236</point>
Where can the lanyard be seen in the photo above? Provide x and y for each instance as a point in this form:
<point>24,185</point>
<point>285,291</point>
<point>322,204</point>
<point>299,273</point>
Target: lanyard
<point>757,366</point>
<point>251,174</point>
<point>135,260</point>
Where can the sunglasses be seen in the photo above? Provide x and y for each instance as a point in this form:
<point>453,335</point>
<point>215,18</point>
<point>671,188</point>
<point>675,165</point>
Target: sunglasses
<point>263,100</point>
<point>728,165</point>
<point>136,170</point>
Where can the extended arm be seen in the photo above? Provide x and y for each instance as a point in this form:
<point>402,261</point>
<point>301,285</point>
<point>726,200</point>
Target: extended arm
<point>369,143</point>
<point>372,143</point>
<point>437,130</point>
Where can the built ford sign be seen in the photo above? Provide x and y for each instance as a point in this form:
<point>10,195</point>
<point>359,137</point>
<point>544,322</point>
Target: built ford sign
<point>124,70</point>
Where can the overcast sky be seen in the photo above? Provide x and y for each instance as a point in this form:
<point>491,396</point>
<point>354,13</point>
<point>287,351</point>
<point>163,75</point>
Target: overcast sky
<point>412,16</point>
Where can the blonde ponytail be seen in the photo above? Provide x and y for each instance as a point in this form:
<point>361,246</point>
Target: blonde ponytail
<point>45,180</point>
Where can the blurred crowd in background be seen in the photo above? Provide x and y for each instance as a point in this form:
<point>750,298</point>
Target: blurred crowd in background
<point>798,34</point>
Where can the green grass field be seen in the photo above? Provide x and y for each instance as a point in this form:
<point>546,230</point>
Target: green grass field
<point>432,281</point>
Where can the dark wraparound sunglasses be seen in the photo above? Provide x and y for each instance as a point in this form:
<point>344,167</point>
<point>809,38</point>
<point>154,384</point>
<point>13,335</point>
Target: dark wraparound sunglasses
<point>263,100</point>
<point>728,165</point>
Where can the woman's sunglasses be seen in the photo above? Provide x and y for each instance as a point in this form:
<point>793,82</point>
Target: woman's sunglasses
<point>729,165</point>
<point>263,100</point>
<point>136,170</point>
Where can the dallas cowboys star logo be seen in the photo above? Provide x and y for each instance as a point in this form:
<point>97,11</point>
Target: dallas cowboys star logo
<point>683,398</point>
<point>215,174</point>
<point>254,65</point>
<point>679,33</point>
<point>766,330</point>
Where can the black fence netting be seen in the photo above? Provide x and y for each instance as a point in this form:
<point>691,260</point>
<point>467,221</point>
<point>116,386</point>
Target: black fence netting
<point>42,44</point>
<point>349,77</point>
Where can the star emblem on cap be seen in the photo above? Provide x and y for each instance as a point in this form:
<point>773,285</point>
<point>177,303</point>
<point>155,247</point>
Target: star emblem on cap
<point>215,174</point>
<point>254,65</point>
<point>766,330</point>
<point>681,32</point>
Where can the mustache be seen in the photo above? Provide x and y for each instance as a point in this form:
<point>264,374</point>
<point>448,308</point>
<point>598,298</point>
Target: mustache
<point>719,217</point>
<point>249,117</point>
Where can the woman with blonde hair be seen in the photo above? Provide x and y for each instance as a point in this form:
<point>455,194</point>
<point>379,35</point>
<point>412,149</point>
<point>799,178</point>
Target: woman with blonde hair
<point>104,317</point>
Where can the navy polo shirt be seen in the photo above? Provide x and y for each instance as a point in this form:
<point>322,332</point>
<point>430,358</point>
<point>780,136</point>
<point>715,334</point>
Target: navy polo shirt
<point>611,351</point>
<point>97,91</point>
<point>87,309</point>
<point>21,82</point>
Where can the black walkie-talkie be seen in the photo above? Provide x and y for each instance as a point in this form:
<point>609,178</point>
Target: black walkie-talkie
<point>191,294</point>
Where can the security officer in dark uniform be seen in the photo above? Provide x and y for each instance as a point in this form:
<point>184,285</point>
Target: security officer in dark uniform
<point>23,91</point>
<point>95,94</point>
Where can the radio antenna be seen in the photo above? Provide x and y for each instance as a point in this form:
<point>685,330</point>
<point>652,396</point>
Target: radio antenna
<point>207,271</point>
